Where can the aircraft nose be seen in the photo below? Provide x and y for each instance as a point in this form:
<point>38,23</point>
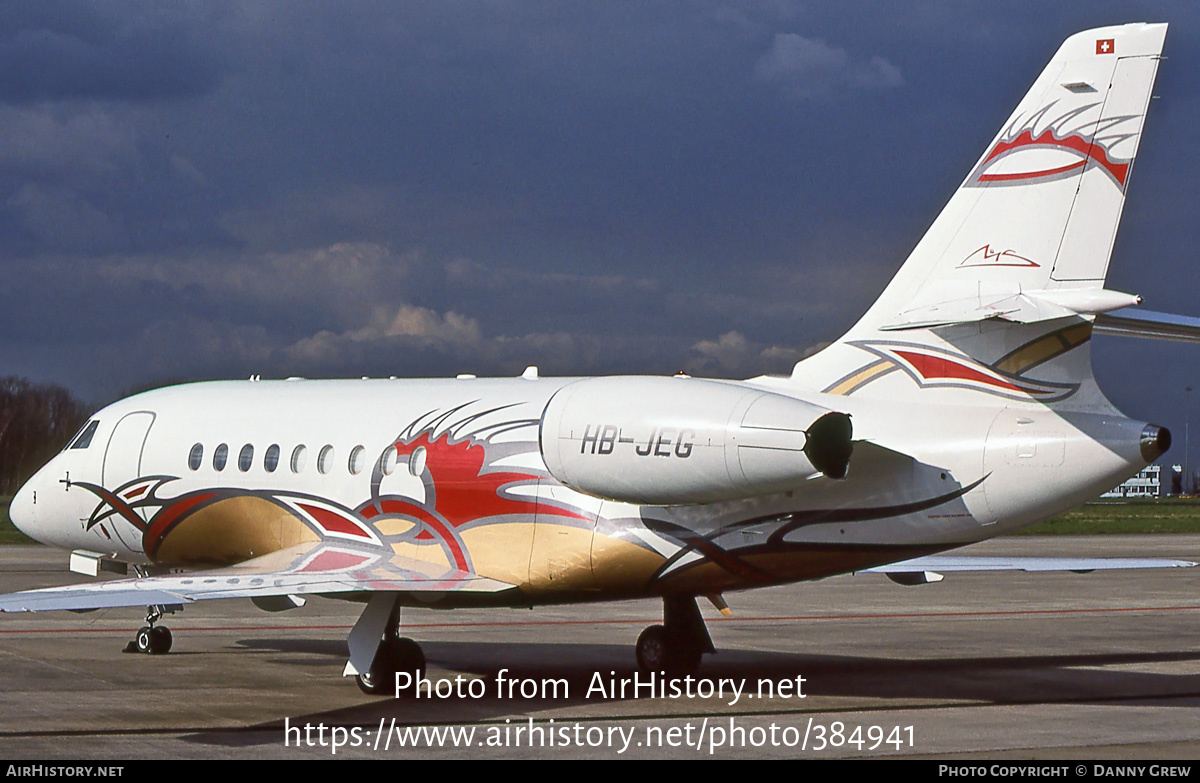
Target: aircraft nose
<point>22,511</point>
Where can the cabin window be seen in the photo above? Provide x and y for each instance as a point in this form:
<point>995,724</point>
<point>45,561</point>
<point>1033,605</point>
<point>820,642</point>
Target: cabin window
<point>196,456</point>
<point>299,454</point>
<point>245,458</point>
<point>387,463</point>
<point>325,459</point>
<point>84,438</point>
<point>220,456</point>
<point>357,458</point>
<point>271,458</point>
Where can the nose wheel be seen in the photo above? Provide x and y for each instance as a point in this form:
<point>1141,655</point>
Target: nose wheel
<point>152,639</point>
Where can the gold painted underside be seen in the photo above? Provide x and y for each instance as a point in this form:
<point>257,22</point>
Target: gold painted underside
<point>231,531</point>
<point>546,560</point>
<point>797,565</point>
<point>501,551</point>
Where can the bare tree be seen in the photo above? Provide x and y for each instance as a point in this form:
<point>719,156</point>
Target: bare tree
<point>36,421</point>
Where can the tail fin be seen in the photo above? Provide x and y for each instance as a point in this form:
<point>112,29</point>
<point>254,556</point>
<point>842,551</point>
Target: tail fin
<point>1011,272</point>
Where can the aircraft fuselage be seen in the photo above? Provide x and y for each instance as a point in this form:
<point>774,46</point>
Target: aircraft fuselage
<point>453,473</point>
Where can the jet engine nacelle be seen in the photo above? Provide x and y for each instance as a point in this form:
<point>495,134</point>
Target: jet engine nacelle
<point>672,441</point>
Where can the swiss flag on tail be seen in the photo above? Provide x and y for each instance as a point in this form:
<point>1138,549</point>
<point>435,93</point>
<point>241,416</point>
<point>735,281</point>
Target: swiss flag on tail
<point>1105,46</point>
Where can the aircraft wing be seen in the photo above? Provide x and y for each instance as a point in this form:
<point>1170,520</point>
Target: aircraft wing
<point>314,567</point>
<point>1131,322</point>
<point>911,571</point>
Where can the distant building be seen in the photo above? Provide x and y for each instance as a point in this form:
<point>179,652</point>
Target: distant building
<point>1144,485</point>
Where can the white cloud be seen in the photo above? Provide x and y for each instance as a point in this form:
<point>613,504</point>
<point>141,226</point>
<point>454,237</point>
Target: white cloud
<point>418,341</point>
<point>728,350</point>
<point>732,355</point>
<point>421,322</point>
<point>451,334</point>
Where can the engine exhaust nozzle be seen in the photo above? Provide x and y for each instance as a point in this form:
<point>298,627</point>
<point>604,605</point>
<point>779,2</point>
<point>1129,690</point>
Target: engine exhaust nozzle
<point>1155,441</point>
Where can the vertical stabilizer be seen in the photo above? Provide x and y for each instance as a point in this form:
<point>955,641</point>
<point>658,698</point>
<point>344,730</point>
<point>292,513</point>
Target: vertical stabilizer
<point>1011,273</point>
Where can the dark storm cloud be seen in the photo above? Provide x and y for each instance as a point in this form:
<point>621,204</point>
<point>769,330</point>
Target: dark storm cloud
<point>126,52</point>
<point>809,67</point>
<point>208,190</point>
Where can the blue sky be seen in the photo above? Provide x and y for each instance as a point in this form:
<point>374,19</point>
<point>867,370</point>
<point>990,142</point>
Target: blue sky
<point>197,190</point>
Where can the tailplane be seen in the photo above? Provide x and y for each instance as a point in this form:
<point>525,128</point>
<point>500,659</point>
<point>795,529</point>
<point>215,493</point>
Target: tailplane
<point>1004,287</point>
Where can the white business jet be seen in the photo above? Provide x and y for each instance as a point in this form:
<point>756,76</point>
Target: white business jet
<point>960,407</point>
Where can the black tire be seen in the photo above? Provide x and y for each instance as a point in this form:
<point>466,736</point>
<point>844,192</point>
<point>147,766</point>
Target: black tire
<point>394,655</point>
<point>406,656</point>
<point>160,640</point>
<point>369,684</point>
<point>660,651</point>
<point>684,659</point>
<point>653,649</point>
<point>143,639</point>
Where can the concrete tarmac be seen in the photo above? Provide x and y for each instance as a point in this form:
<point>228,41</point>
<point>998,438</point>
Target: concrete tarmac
<point>988,665</point>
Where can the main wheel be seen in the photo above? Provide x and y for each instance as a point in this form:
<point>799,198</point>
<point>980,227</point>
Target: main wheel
<point>369,683</point>
<point>658,650</point>
<point>652,648</point>
<point>683,658</point>
<point>160,640</point>
<point>406,656</point>
<point>143,640</point>
<point>394,655</point>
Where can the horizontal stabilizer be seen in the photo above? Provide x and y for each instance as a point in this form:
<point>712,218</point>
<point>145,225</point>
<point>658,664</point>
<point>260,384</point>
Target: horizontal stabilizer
<point>305,569</point>
<point>1024,307</point>
<point>1140,323</point>
<point>946,563</point>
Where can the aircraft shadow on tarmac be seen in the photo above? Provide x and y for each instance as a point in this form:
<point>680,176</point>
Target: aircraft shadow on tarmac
<point>869,683</point>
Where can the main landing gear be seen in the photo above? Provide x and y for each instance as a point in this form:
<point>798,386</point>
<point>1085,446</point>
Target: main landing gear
<point>396,653</point>
<point>676,646</point>
<point>152,639</point>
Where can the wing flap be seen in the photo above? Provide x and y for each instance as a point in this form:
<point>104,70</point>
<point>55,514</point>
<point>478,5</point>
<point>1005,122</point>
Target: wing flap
<point>948,563</point>
<point>305,569</point>
<point>84,597</point>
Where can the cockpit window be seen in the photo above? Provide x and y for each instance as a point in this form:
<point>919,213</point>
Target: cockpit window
<point>84,438</point>
<point>75,437</point>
